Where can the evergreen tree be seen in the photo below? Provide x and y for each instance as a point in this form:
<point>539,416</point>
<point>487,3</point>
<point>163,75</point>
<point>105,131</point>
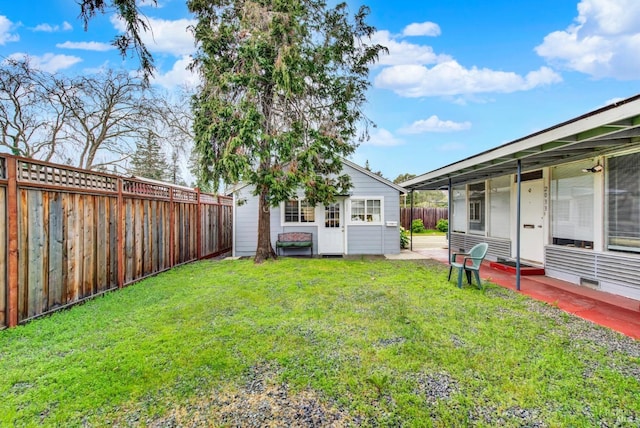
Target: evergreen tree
<point>148,161</point>
<point>284,86</point>
<point>175,176</point>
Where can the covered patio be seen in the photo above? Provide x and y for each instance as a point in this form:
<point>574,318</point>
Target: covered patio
<point>523,199</point>
<point>615,312</point>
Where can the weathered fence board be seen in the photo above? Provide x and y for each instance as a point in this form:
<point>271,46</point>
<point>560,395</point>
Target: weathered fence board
<point>429,216</point>
<point>77,234</point>
<point>67,240</point>
<point>3,257</point>
<point>146,232</point>
<point>56,250</point>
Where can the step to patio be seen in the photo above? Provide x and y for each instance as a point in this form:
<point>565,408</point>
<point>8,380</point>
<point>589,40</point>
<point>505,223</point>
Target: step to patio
<point>511,268</point>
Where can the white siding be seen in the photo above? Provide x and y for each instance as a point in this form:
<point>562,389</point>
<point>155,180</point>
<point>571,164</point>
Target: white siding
<point>245,223</point>
<point>361,239</point>
<point>379,239</point>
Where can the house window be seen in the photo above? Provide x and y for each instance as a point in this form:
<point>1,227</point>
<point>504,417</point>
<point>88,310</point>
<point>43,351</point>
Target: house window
<point>623,203</point>
<point>296,211</point>
<point>459,209</point>
<point>476,207</point>
<point>474,212</point>
<point>500,207</point>
<point>572,202</point>
<point>366,211</point>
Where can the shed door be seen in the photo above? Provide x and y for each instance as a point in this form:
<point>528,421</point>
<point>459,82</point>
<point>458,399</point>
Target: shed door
<point>331,231</point>
<point>532,221</point>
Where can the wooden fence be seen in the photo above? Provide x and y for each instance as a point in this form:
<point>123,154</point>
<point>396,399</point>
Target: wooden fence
<point>429,216</point>
<point>68,234</point>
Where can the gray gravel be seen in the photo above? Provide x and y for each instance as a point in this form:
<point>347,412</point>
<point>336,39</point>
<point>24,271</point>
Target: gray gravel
<point>265,401</point>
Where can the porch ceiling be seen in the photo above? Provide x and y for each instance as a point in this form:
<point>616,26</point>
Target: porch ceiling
<point>610,128</point>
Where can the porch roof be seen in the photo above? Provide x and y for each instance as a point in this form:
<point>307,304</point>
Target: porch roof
<point>596,133</point>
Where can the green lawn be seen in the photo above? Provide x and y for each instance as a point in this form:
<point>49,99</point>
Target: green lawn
<point>300,342</point>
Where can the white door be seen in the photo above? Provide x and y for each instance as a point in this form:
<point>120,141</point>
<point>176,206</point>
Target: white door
<point>532,221</point>
<point>331,230</point>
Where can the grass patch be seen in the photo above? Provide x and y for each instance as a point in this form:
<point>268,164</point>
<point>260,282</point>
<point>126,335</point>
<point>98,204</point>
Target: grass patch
<point>302,342</point>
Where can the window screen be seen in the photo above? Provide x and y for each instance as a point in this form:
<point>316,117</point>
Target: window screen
<point>500,212</point>
<point>459,209</point>
<point>572,203</point>
<point>623,203</point>
<point>476,207</point>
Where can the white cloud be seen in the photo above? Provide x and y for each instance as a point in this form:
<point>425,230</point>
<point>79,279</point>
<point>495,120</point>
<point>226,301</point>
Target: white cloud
<point>172,37</point>
<point>603,41</point>
<point>422,29</point>
<point>382,138</point>
<point>178,76</point>
<point>6,27</point>
<point>402,52</point>
<point>48,62</point>
<point>450,78</point>
<point>87,46</point>
<point>434,124</point>
<point>48,28</point>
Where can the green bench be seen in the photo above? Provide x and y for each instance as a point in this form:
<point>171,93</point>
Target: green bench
<point>294,240</point>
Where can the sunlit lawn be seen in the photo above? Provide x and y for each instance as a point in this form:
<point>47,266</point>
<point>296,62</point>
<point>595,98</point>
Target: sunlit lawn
<point>316,341</point>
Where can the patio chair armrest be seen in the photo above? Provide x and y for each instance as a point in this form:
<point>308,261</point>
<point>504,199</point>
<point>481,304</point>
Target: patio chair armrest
<point>464,262</point>
<point>453,256</point>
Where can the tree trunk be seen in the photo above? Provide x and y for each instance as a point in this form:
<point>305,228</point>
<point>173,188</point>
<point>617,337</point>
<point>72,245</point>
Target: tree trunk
<point>264,250</point>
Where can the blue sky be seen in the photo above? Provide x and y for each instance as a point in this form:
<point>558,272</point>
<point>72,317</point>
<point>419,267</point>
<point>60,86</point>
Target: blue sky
<point>462,76</point>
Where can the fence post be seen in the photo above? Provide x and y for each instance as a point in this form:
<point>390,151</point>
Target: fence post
<point>12,232</point>
<point>172,229</point>
<point>199,226</point>
<point>220,214</point>
<point>120,232</point>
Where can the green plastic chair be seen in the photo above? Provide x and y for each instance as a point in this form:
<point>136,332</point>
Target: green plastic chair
<point>471,263</point>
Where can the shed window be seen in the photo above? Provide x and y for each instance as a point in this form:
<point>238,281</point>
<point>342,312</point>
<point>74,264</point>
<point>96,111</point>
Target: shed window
<point>296,211</point>
<point>623,203</point>
<point>366,210</point>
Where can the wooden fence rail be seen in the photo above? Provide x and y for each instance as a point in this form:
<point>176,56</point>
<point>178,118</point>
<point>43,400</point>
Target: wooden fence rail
<point>68,235</point>
<point>429,216</point>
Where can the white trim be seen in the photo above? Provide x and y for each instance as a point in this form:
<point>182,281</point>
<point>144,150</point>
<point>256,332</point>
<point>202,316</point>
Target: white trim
<point>375,176</point>
<point>233,226</point>
<point>350,222</point>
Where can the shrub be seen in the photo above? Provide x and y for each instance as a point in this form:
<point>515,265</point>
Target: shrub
<point>404,238</point>
<point>417,226</point>
<point>442,225</point>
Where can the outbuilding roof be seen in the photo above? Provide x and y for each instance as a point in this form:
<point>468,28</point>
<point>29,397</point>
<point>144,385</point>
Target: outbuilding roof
<point>357,167</point>
<point>598,132</point>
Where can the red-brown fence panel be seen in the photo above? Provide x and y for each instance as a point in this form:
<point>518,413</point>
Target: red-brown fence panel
<point>429,216</point>
<point>216,225</point>
<point>73,234</point>
<point>3,242</point>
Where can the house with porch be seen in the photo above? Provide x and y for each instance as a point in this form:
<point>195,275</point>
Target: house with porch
<point>565,199</point>
<point>364,221</point>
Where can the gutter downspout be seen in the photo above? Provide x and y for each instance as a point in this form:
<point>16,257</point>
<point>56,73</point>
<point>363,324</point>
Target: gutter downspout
<point>519,192</point>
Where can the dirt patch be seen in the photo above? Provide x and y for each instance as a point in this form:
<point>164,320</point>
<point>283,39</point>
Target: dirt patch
<point>261,402</point>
